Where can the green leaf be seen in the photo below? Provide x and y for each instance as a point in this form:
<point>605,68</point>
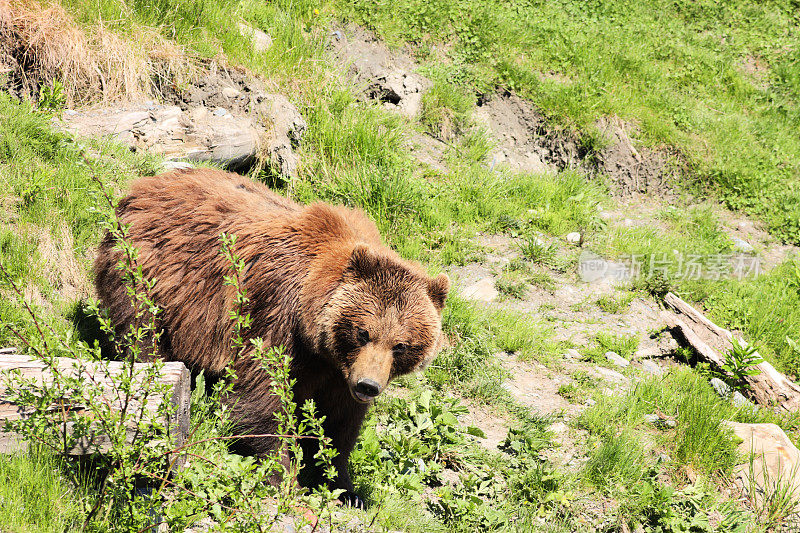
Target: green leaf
<point>478,432</point>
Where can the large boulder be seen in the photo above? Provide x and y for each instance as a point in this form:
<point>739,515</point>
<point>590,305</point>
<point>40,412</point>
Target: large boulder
<point>774,464</point>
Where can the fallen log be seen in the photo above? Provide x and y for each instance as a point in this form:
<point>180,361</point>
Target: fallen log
<point>769,387</point>
<point>102,375</point>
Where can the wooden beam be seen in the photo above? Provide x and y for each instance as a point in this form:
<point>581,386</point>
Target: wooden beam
<point>770,388</point>
<point>173,374</point>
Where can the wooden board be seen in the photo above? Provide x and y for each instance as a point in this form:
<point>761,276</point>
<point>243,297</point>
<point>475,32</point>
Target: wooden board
<point>174,375</point>
<point>769,388</point>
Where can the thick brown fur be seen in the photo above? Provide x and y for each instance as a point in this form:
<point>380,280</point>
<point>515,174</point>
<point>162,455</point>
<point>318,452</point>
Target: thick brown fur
<point>321,283</point>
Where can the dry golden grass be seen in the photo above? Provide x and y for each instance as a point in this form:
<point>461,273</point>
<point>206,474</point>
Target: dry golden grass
<point>40,42</point>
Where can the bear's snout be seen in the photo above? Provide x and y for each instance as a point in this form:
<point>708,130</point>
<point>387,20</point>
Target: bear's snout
<point>366,389</point>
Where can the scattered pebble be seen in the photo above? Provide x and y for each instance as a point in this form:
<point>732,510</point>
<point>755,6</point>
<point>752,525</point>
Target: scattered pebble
<point>651,367</point>
<point>572,353</point>
<point>574,237</point>
<point>230,92</point>
<point>176,165</point>
<point>617,359</point>
<point>739,400</point>
<point>261,41</point>
<point>591,402</point>
<point>483,290</point>
<point>221,112</point>
<point>743,246</point>
<point>722,388</point>
<point>660,422</point>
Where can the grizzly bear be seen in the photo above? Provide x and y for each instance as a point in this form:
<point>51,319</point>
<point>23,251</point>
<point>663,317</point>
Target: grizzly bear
<point>349,312</point>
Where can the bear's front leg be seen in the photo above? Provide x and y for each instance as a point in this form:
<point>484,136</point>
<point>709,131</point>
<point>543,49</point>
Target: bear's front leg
<point>342,425</point>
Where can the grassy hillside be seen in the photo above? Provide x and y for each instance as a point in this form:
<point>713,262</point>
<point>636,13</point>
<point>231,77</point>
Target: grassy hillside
<point>714,85</point>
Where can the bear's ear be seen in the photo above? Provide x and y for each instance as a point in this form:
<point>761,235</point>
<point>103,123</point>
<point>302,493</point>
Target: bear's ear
<point>362,261</point>
<point>438,288</point>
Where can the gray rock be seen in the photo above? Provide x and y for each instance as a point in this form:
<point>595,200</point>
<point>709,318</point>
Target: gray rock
<point>617,359</point>
<point>176,165</point>
<point>572,353</point>
<point>739,400</point>
<point>261,41</point>
<point>222,112</point>
<point>288,129</point>
<point>740,245</point>
<point>722,388</point>
<point>651,367</point>
<point>574,237</point>
<point>769,455</point>
<point>611,375</point>
<point>592,268</point>
<point>660,422</point>
<point>228,141</point>
<point>482,290</point>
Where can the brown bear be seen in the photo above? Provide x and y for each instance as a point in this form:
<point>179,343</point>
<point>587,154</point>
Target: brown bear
<point>350,313</point>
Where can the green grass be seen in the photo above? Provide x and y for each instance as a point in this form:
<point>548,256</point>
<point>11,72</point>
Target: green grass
<point>35,498</point>
<point>615,303</point>
<point>47,191</point>
<point>669,67</point>
<point>766,310</point>
<point>673,68</point>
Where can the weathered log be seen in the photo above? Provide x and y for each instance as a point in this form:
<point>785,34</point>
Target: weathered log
<point>769,387</point>
<point>174,375</point>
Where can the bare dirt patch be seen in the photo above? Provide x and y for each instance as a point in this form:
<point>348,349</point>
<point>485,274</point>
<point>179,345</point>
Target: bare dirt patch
<point>526,142</point>
<point>632,170</point>
<point>384,75</point>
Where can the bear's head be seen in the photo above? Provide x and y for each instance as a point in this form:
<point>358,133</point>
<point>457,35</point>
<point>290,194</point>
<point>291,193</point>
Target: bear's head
<point>382,321</point>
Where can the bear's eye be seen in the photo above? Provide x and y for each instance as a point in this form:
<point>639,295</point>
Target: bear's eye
<point>399,349</point>
<point>362,336</point>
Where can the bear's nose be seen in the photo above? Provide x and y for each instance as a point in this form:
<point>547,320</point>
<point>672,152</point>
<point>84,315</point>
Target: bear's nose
<point>368,387</point>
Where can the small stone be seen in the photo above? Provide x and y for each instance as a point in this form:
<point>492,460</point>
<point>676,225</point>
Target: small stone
<point>221,112</point>
<point>574,237</point>
<point>572,353</point>
<point>652,418</point>
<point>617,359</point>
<point>663,458</point>
<point>611,375</point>
<point>336,34</point>
<point>70,112</point>
<point>261,41</point>
<point>739,400</point>
<point>627,223</point>
<point>660,422</point>
<point>722,388</point>
<point>651,367</point>
<point>230,92</point>
<point>591,402</point>
<point>559,427</point>
<point>743,246</point>
<point>176,165</point>
<point>483,290</point>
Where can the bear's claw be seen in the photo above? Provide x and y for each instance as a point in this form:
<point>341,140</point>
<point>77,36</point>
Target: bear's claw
<point>351,499</point>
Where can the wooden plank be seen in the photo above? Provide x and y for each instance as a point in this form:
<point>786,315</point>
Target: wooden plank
<point>770,388</point>
<point>173,374</point>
